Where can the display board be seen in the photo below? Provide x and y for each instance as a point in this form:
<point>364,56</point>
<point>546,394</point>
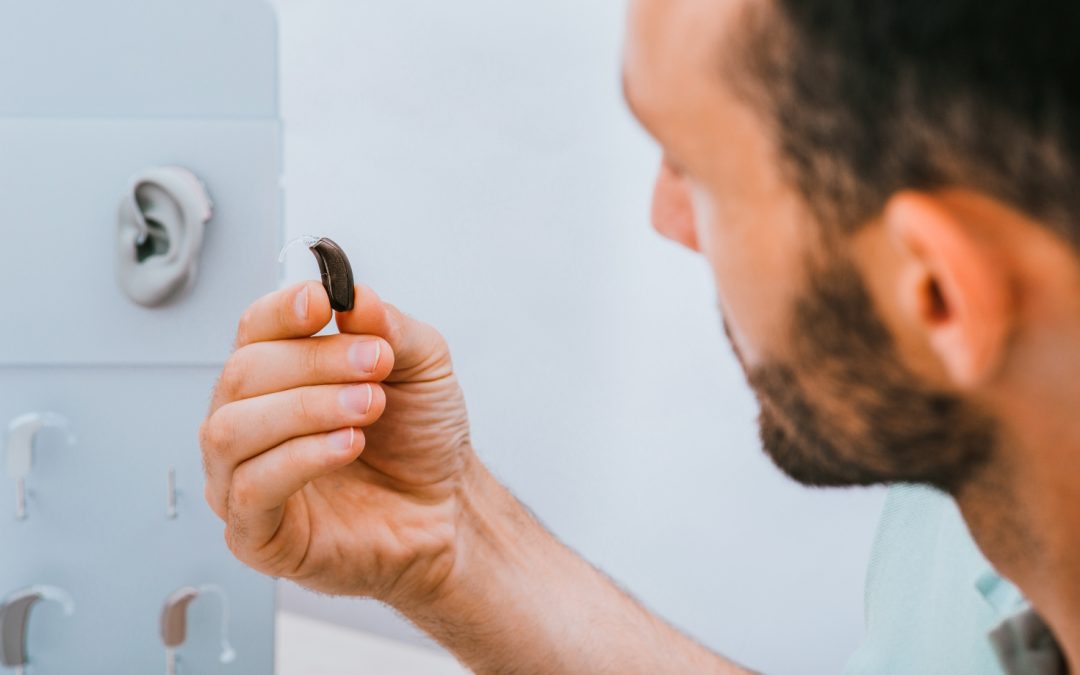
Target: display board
<point>140,206</point>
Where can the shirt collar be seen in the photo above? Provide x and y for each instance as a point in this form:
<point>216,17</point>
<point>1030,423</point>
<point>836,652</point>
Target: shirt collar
<point>1025,646</point>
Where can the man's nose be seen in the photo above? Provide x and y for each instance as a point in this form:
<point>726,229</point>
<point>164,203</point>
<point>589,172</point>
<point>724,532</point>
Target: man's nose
<point>672,208</point>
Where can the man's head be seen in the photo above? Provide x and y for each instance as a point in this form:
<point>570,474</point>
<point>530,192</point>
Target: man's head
<point>888,194</point>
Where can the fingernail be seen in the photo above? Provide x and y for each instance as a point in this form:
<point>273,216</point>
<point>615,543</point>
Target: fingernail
<point>357,398</point>
<point>301,304</point>
<point>364,356</point>
<point>343,439</point>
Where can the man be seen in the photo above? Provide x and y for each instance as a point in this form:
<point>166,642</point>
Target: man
<point>886,191</point>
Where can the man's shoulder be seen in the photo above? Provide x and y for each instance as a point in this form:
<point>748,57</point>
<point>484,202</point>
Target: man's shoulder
<point>931,597</point>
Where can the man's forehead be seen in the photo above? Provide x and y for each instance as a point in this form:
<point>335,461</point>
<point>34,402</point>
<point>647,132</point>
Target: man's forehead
<point>672,64</point>
<point>688,27</point>
<point>671,45</point>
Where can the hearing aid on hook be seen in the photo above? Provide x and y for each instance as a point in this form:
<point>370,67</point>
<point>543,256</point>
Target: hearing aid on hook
<point>21,441</point>
<point>15,620</point>
<point>174,622</point>
<point>334,266</point>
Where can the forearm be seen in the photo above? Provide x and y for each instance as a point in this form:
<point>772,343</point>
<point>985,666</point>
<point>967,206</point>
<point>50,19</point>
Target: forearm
<point>520,601</point>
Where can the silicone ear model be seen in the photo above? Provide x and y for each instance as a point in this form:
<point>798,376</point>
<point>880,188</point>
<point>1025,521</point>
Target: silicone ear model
<point>160,234</point>
<point>334,266</point>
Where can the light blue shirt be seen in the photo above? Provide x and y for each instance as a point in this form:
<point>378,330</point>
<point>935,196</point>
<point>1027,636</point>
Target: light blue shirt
<point>931,597</point>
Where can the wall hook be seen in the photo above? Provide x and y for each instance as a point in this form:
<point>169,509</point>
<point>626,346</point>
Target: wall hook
<point>22,433</point>
<point>174,622</point>
<point>170,496</point>
<point>15,620</point>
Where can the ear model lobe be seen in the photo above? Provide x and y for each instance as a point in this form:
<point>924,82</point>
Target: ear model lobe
<point>958,286</point>
<point>160,233</point>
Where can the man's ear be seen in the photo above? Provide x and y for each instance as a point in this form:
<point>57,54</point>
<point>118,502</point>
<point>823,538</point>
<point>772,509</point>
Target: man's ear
<point>955,283</point>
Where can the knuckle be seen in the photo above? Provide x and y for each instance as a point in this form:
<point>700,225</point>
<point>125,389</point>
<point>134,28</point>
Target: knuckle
<point>230,382</point>
<point>242,492</point>
<point>308,407</point>
<point>206,459</point>
<point>312,355</point>
<point>216,438</point>
<point>294,457</point>
<point>212,499</point>
<point>209,436</point>
<point>244,326</point>
<point>204,436</point>
<point>234,536</point>
<point>303,405</point>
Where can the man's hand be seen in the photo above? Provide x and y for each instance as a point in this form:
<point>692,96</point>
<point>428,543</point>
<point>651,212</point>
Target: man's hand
<point>343,462</point>
<point>339,461</point>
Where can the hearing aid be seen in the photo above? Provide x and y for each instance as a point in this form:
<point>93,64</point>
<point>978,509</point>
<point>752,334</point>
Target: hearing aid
<point>334,267</point>
<point>15,621</point>
<point>21,444</point>
<point>173,623</point>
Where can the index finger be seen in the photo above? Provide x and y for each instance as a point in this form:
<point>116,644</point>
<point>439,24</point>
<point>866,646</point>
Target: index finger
<point>297,311</point>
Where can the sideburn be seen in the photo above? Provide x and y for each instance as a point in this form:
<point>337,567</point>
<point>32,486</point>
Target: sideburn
<point>846,411</point>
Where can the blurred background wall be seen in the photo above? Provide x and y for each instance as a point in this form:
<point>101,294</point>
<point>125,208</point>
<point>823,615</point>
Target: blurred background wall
<point>476,161</point>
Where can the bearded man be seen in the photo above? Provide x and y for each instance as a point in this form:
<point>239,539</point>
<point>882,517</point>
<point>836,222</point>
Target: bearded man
<point>887,193</point>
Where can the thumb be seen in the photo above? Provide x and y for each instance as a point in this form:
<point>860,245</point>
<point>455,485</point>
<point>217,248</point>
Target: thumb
<point>418,347</point>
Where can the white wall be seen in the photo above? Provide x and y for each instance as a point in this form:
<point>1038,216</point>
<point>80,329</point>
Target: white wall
<point>477,163</point>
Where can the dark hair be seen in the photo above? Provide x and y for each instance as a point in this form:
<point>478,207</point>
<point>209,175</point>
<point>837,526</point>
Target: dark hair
<point>873,96</point>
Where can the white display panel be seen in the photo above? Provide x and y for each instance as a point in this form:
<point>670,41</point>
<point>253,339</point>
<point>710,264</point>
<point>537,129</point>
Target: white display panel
<point>62,182</point>
<point>97,526</point>
<point>92,94</point>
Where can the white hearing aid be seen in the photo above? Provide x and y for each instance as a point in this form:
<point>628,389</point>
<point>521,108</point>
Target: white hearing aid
<point>22,433</point>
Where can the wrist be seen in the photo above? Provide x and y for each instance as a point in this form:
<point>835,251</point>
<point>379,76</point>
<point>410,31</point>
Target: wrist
<point>516,600</point>
<point>495,539</point>
<point>494,529</point>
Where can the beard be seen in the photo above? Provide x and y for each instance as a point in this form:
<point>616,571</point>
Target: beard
<point>846,411</point>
